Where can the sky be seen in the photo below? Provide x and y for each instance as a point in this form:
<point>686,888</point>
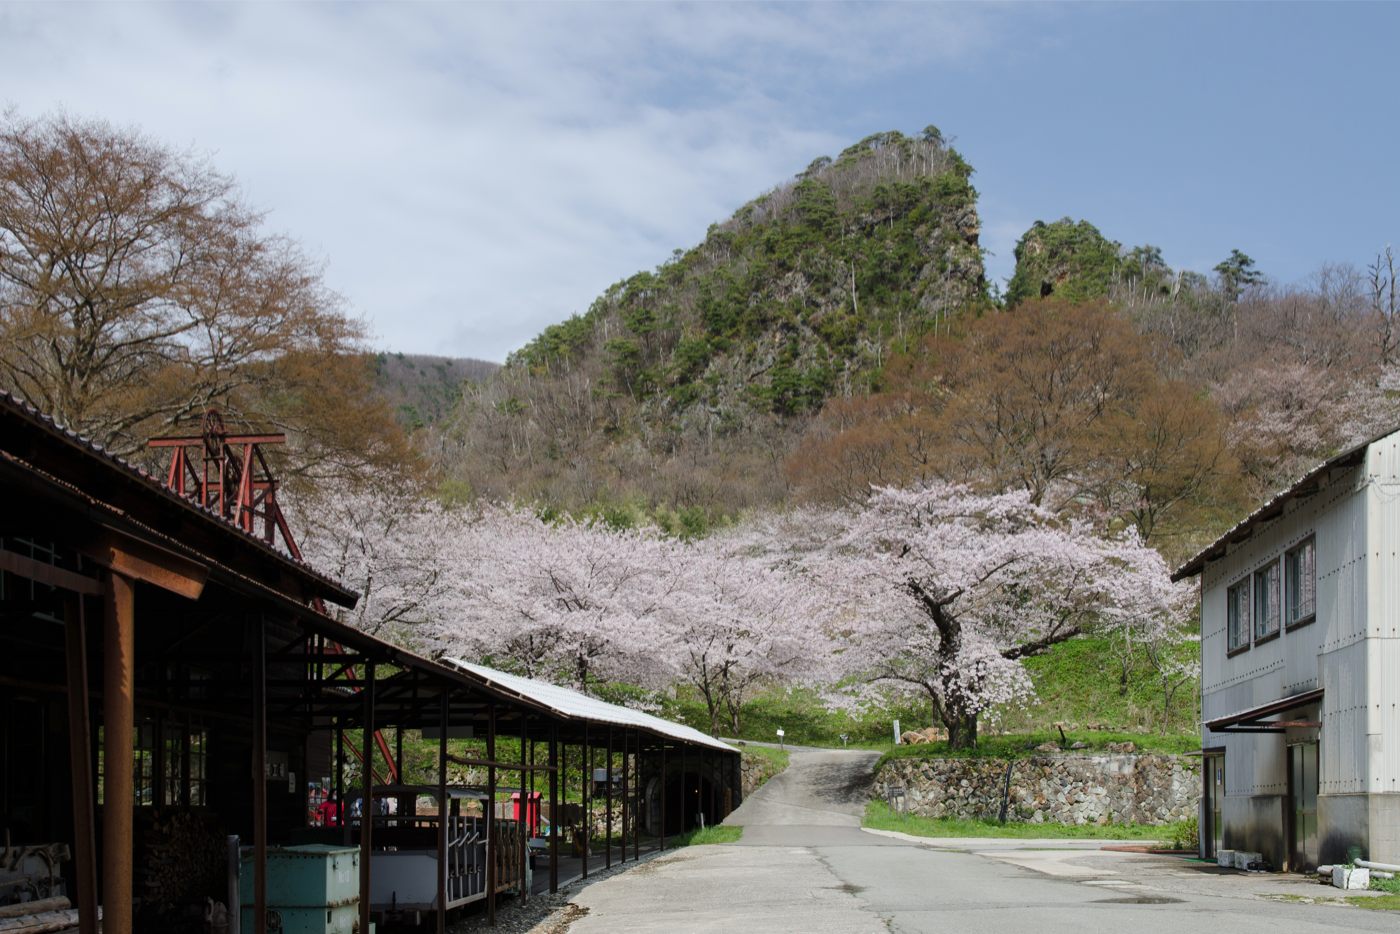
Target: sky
<point>469,173</point>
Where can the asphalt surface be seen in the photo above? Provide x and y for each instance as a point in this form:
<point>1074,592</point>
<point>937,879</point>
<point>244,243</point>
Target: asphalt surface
<point>804,865</point>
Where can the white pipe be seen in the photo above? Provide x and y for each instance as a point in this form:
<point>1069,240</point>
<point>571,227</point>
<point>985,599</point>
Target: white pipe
<point>1381,874</point>
<point>1384,867</point>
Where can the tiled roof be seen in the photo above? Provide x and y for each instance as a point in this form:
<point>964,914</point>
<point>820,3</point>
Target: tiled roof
<point>26,411</point>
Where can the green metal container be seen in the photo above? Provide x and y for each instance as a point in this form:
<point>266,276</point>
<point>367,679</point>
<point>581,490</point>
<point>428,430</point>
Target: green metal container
<point>311,889</point>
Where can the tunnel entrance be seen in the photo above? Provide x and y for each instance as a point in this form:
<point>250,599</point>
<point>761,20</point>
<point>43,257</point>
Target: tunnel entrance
<point>687,796</point>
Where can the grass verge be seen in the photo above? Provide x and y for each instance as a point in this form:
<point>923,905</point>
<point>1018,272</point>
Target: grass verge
<point>719,833</point>
<point>779,757</point>
<point>878,816</point>
<point>1390,901</point>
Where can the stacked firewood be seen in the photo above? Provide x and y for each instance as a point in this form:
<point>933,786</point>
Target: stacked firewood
<point>42,916</point>
<point>182,859</point>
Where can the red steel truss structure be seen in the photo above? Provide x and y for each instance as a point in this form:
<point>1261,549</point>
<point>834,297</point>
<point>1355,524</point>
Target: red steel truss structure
<point>228,475</point>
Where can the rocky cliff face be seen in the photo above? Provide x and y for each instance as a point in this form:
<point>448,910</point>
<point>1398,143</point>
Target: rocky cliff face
<point>729,345</point>
<point>1064,789</point>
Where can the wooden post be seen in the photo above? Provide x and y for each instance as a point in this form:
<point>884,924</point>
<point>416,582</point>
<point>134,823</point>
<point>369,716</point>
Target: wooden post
<point>714,789</point>
<point>366,795</point>
<point>553,807</point>
<point>260,776</point>
<point>118,733</point>
<point>340,779</point>
<point>443,811</point>
<point>607,850</point>
<point>636,794</point>
<point>662,784</point>
<point>525,805</point>
<point>80,763</point>
<point>625,799</point>
<point>492,831</point>
<point>587,757</point>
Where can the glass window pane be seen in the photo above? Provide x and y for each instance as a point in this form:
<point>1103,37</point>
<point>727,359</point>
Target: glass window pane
<point>1300,568</point>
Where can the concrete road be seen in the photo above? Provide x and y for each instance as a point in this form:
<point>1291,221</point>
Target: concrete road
<point>804,865</point>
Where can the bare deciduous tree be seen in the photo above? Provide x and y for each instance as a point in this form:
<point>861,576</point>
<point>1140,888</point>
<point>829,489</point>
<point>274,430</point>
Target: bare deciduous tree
<point>136,289</point>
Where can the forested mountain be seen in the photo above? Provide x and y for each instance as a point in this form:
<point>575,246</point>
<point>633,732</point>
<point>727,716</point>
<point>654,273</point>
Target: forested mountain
<point>423,388</point>
<point>686,385</point>
<point>837,332</point>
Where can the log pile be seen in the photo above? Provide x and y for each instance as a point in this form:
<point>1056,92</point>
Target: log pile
<point>42,916</point>
<point>181,860</point>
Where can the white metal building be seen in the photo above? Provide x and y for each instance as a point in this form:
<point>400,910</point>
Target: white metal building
<point>1300,668</point>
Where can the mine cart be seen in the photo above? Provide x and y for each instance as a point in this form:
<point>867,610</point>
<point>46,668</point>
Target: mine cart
<point>405,857</point>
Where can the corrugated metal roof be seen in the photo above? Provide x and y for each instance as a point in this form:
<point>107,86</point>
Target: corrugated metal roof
<point>570,703</point>
<point>1274,507</point>
<point>331,588</point>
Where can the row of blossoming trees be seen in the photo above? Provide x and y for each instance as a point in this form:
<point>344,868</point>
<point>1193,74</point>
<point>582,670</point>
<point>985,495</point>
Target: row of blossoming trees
<point>937,590</point>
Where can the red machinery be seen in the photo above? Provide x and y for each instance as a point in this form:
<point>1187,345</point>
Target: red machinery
<point>228,474</point>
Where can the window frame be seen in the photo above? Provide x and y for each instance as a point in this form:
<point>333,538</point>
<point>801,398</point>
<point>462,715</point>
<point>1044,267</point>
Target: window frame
<point>1236,625</point>
<point>1289,623</point>
<point>1259,579</point>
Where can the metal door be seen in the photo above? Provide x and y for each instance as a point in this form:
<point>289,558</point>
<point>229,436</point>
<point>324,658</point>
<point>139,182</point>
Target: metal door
<point>1302,795</point>
<point>1215,793</point>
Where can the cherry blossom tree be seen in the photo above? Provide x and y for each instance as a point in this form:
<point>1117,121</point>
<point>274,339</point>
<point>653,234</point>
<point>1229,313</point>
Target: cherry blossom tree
<point>938,589</point>
<point>566,600</point>
<point>736,621</point>
<point>947,591</point>
<point>383,540</point>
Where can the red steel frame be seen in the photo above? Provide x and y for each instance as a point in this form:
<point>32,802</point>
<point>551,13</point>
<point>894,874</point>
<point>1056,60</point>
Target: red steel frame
<point>234,480</point>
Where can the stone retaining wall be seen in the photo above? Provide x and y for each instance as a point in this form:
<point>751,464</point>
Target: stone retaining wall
<point>1066,789</point>
<point>754,771</point>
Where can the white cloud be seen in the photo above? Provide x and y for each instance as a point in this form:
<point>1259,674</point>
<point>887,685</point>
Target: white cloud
<point>472,173</point>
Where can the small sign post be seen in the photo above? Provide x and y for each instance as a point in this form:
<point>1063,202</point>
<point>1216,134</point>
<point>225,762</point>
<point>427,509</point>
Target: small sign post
<point>896,732</point>
<point>780,738</point>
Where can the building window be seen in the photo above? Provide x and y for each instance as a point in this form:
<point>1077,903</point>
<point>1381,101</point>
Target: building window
<point>144,751</point>
<point>1266,601</point>
<point>184,778</point>
<point>1237,613</point>
<point>198,748</point>
<point>183,755</point>
<point>1300,583</point>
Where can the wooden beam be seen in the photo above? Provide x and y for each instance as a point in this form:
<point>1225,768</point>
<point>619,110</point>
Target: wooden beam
<point>367,797</point>
<point>42,573</point>
<point>140,561</point>
<point>119,725</point>
<point>492,831</point>
<point>554,826</point>
<point>444,811</point>
<point>80,765</point>
<point>259,641</point>
<point>607,820</point>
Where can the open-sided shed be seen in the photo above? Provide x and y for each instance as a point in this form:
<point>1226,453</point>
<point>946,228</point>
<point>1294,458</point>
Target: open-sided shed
<point>168,679</point>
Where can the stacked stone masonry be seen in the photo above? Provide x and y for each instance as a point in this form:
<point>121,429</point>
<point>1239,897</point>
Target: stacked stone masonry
<point>755,770</point>
<point>1062,789</point>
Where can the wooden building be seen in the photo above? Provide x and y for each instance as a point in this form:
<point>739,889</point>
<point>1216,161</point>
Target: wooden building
<point>167,680</point>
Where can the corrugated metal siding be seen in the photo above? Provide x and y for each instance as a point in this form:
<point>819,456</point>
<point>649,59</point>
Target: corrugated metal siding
<point>1383,459</point>
<point>1328,653</point>
<point>1383,729</point>
<point>1383,623</point>
<point>1342,764</point>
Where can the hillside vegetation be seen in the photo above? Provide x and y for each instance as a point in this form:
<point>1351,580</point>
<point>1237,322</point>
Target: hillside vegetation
<point>423,389</point>
<point>686,385</point>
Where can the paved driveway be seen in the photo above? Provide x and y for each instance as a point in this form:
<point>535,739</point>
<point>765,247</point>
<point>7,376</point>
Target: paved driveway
<point>804,865</point>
